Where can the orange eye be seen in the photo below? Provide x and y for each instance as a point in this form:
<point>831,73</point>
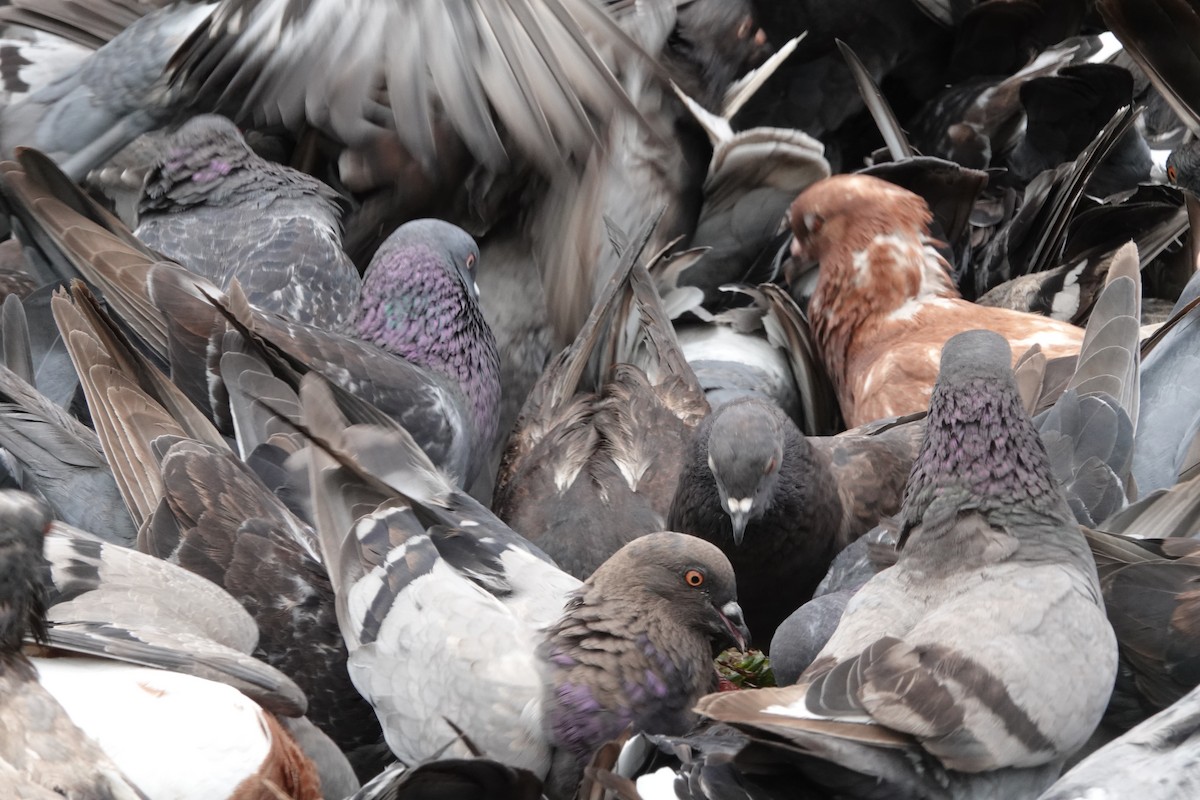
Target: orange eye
<point>1171,174</point>
<point>694,577</point>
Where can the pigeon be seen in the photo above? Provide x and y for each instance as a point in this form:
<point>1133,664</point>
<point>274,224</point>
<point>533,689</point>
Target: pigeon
<point>884,302</point>
<point>1156,759</point>
<point>106,100</point>
<point>203,509</point>
<point>1170,410</point>
<point>593,461</point>
<point>466,71</point>
<point>61,461</point>
<point>167,683</point>
<point>428,359</point>
<point>281,238</point>
<point>536,668</point>
<point>985,647</point>
<point>42,745</point>
<point>781,505</point>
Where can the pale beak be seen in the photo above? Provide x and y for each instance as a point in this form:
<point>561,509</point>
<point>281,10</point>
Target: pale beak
<point>739,510</point>
<point>735,623</point>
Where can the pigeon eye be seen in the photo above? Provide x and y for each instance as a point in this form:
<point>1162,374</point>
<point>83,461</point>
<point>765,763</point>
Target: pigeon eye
<point>694,577</point>
<point>1171,173</point>
<point>470,260</point>
<point>769,467</point>
<point>813,222</point>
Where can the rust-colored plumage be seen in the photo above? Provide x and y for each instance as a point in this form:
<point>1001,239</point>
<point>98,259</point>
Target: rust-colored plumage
<point>884,302</point>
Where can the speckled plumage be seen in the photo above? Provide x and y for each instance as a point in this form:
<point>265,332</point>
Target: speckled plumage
<point>993,577</point>
<point>419,302</point>
<point>223,212</point>
<point>634,644</point>
<point>535,667</point>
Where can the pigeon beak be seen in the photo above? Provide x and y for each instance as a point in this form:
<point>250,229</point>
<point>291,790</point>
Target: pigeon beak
<point>739,519</point>
<point>731,615</point>
<point>800,266</point>
<point>739,510</point>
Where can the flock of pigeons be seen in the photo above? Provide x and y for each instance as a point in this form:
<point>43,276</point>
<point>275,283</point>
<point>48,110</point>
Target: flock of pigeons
<point>413,398</point>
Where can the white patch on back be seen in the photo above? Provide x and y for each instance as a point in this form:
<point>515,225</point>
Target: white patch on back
<point>174,735</point>
<point>1066,300</point>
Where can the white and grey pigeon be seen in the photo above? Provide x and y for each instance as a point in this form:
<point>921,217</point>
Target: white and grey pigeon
<point>455,623</point>
<point>983,659</point>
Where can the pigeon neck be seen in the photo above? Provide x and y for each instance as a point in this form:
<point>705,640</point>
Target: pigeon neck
<point>418,311</point>
<point>980,443</point>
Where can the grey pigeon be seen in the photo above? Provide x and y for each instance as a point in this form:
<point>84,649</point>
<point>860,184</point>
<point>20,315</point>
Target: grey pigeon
<point>464,70</point>
<point>594,458</point>
<point>781,505</point>
<point>280,233</point>
<point>201,508</point>
<point>417,346</point>
<point>104,102</point>
<point>985,647</point>
<point>1159,758</point>
<point>61,460</point>
<point>41,745</point>
<point>537,669</point>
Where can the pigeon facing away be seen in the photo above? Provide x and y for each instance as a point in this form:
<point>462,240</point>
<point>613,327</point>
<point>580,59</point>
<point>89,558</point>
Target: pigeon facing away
<point>781,505</point>
<point>993,575</point>
<point>987,642</point>
<point>427,576</point>
<point>280,235</point>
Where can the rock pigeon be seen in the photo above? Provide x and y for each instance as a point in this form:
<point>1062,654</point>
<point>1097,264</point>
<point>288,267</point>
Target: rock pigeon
<point>427,358</point>
<point>1156,759</point>
<point>201,508</point>
<point>105,101</point>
<point>986,644</point>
<point>554,668</point>
<point>41,746</point>
<point>781,505</point>
<point>61,461</point>
<point>884,302</point>
<point>593,461</point>
<point>281,238</point>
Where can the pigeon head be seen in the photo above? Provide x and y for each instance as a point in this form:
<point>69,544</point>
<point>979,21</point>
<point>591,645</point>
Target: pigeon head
<point>714,41</point>
<point>1183,166</point>
<point>205,130</point>
<point>980,444</point>
<point>692,576</point>
<point>419,301</point>
<point>204,150</point>
<point>745,452</point>
<point>24,521</point>
<point>848,211</point>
